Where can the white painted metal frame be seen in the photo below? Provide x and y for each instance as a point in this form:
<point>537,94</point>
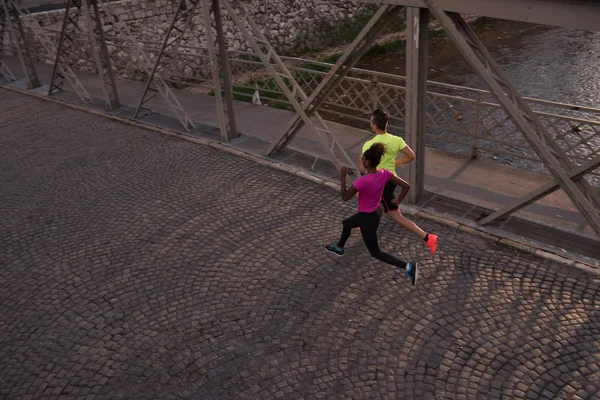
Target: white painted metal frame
<point>171,42</point>
<point>575,174</point>
<point>519,111</point>
<point>417,20</point>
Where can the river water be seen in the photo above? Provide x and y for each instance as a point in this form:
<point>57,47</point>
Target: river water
<point>557,65</point>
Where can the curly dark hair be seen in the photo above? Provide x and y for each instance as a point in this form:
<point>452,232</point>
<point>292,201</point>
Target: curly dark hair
<point>374,153</point>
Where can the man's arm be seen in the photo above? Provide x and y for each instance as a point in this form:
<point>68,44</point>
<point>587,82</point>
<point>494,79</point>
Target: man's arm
<point>347,193</point>
<point>405,188</point>
<point>407,156</point>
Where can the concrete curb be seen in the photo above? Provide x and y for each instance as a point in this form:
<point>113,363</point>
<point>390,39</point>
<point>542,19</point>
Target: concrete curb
<point>409,210</point>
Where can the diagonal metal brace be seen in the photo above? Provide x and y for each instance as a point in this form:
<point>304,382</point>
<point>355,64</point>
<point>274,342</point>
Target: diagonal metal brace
<point>575,174</point>
<point>539,129</point>
<point>65,41</point>
<point>6,72</point>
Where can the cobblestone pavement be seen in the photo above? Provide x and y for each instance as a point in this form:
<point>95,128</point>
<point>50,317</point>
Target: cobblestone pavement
<point>134,265</point>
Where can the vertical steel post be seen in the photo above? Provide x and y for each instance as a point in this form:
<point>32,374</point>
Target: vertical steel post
<point>287,82</point>
<point>15,28</point>
<point>475,147</point>
<point>375,92</point>
<point>68,25</point>
<point>416,96</point>
<point>101,56</point>
<point>106,74</point>
<point>4,39</point>
<point>231,131</point>
<point>214,67</point>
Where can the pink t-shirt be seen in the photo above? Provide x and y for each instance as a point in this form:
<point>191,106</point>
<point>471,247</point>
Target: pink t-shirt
<point>370,189</point>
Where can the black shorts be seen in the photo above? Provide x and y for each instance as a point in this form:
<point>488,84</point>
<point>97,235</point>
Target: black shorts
<point>388,196</point>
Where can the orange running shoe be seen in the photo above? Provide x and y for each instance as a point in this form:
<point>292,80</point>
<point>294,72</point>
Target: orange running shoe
<point>432,242</point>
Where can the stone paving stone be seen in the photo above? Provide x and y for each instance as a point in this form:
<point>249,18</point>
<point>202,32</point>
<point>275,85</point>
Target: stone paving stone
<point>136,265</point>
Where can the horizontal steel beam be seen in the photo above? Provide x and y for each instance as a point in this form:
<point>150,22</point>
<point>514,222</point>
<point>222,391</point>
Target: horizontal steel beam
<point>584,15</point>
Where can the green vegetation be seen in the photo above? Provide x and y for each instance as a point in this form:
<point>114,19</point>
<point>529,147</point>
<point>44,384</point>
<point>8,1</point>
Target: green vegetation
<point>437,33</point>
<point>240,93</point>
<point>345,32</point>
<point>397,46</point>
<point>280,105</point>
<point>332,59</point>
<point>483,22</point>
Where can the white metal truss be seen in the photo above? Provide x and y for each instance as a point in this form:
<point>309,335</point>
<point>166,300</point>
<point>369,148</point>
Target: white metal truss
<point>571,14</point>
<point>519,111</point>
<point>415,105</point>
<point>171,43</point>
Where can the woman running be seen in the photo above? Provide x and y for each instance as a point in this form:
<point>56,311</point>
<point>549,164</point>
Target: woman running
<point>370,188</point>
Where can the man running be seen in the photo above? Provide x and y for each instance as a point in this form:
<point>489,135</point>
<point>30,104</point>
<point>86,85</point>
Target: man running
<point>394,145</point>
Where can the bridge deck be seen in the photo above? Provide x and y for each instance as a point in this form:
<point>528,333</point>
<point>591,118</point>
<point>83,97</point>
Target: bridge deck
<point>454,185</point>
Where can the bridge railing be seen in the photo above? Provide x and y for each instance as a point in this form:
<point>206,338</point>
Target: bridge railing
<point>460,120</point>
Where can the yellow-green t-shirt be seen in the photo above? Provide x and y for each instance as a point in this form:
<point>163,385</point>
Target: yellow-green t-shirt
<point>393,144</point>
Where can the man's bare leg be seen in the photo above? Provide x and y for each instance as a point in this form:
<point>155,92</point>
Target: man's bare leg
<point>413,228</point>
<point>406,223</point>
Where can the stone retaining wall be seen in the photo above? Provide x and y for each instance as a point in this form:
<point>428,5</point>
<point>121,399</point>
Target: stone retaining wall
<point>292,26</point>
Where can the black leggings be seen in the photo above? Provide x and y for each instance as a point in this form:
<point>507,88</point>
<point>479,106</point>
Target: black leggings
<point>368,223</point>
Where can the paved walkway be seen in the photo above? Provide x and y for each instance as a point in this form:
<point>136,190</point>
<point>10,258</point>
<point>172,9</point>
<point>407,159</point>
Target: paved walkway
<point>453,183</point>
<point>135,265</point>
